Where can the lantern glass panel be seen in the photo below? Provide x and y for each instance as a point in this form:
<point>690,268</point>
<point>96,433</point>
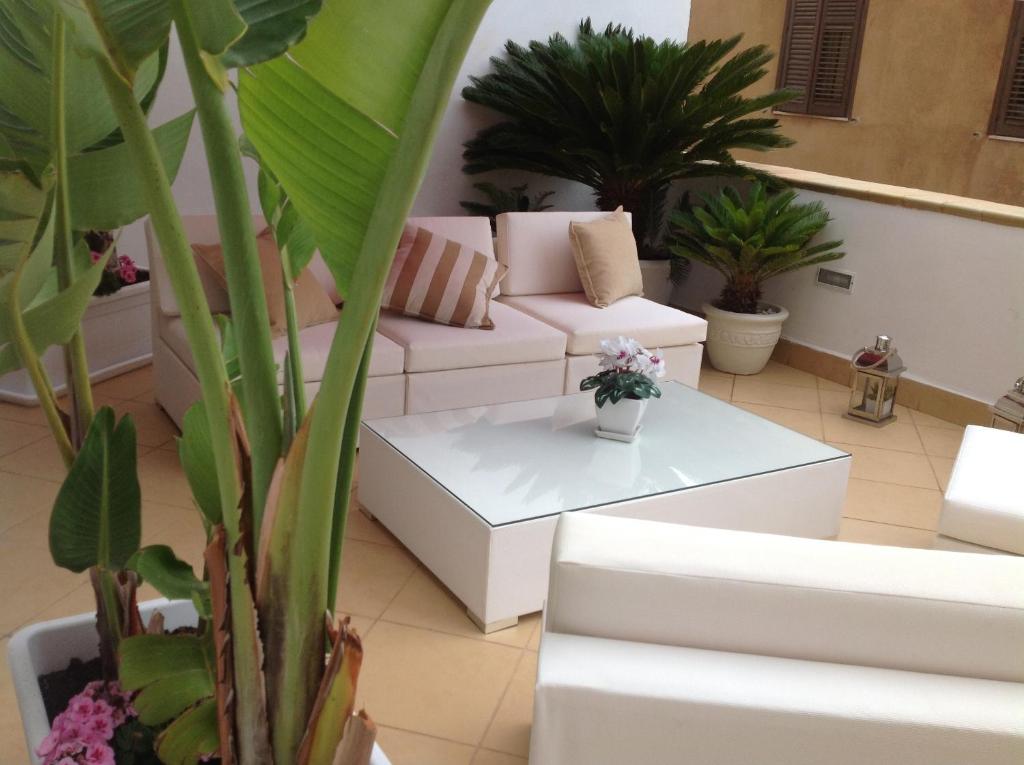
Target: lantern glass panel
<point>867,395</point>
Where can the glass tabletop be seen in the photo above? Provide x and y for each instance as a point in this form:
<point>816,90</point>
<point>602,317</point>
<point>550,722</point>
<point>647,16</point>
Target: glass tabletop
<point>514,462</point>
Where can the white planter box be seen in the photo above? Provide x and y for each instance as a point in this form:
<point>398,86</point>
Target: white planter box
<point>117,338</point>
<point>49,646</point>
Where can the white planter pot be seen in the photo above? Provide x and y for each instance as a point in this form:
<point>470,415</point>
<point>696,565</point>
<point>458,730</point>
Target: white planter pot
<point>49,646</point>
<point>622,418</point>
<point>742,343</point>
<point>657,286</point>
<point>117,338</point>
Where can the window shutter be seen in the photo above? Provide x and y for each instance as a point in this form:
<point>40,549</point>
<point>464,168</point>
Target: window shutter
<point>820,52</point>
<point>1008,114</point>
<point>800,42</point>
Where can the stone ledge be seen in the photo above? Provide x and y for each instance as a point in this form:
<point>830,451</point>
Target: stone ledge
<point>965,207</point>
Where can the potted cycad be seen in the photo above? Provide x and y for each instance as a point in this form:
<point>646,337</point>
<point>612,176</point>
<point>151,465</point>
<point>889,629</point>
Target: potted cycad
<point>749,240</point>
<point>266,674</point>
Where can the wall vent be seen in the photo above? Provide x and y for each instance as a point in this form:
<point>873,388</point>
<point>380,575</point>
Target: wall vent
<point>835,279</point>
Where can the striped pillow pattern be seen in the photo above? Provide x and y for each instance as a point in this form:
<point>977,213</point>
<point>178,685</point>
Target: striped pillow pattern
<point>442,281</point>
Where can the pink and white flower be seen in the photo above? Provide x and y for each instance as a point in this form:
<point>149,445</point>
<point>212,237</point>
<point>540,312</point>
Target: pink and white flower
<point>624,354</point>
<point>81,734</point>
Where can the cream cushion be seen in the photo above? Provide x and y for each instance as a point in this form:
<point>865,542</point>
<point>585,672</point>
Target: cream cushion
<point>651,324</point>
<point>984,502</point>
<point>516,338</point>
<point>536,248</point>
<point>387,357</point>
<point>606,258</point>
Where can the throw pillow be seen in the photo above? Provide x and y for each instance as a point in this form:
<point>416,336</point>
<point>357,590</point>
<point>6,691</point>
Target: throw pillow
<point>606,258</point>
<point>442,281</point>
<point>312,304</point>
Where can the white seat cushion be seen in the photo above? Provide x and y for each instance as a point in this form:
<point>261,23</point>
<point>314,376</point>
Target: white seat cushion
<point>651,324</point>
<point>387,357</point>
<point>984,501</point>
<point>515,339</point>
<point>607,702</point>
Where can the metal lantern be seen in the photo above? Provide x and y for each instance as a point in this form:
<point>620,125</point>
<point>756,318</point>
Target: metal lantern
<point>1008,412</point>
<point>878,373</point>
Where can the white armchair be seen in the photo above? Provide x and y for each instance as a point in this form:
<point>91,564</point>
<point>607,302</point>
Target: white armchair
<point>675,644</point>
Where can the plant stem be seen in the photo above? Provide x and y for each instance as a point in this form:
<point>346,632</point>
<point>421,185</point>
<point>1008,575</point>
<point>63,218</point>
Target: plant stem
<point>294,346</point>
<point>202,339</point>
<point>262,411</point>
<point>76,364</point>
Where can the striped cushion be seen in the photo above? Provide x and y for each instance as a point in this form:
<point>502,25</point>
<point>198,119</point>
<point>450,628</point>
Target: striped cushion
<point>442,281</point>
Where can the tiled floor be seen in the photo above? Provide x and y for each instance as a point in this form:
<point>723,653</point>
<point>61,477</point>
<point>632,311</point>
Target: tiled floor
<point>441,691</point>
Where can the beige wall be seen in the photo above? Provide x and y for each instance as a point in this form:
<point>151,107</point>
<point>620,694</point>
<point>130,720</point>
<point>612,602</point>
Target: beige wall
<point>923,100</point>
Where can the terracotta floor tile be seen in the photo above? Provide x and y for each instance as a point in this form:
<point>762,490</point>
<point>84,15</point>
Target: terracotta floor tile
<point>889,466</point>
<point>487,757</point>
<point>360,526</point>
<point>943,467</point>
<point>780,374</point>
<point>40,459</point>
<point>161,478</point>
<point>152,426</point>
<point>889,503</point>
<point>534,643</point>
<point>755,391</point>
<point>941,442</point>
<point>920,418</point>
<point>22,497</point>
<point>425,602</point>
<point>33,415</point>
<point>138,382</point>
<point>406,748</point>
<point>427,682</point>
<point>719,386</point>
<point>824,384</point>
<point>834,401</point>
<point>371,576</point>
<point>808,423</point>
<point>510,730</point>
<point>869,532</point>
<point>899,436</point>
<point>16,435</point>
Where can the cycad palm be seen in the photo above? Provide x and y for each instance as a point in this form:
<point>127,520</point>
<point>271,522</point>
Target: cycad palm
<point>624,115</point>
<point>751,240</point>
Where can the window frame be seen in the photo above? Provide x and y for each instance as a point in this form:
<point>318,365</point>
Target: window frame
<point>846,113</point>
<point>997,127</point>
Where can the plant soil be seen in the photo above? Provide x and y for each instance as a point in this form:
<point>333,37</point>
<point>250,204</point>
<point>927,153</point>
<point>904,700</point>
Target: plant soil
<point>58,688</point>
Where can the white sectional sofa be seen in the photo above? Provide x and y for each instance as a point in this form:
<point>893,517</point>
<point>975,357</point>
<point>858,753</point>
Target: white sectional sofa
<point>667,644</point>
<point>543,342</point>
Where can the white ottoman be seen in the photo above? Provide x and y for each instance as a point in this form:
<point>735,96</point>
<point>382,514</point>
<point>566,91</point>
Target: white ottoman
<point>984,506</point>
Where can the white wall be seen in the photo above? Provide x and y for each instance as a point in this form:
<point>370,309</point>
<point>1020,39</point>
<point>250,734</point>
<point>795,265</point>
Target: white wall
<point>949,290</point>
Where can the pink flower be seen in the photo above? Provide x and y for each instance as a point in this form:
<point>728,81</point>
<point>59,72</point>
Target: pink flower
<point>127,270</point>
<point>99,754</point>
<point>80,735</point>
<point>95,256</point>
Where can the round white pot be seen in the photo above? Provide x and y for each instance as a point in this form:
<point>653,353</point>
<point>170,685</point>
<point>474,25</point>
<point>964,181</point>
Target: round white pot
<point>622,418</point>
<point>49,646</point>
<point>742,343</point>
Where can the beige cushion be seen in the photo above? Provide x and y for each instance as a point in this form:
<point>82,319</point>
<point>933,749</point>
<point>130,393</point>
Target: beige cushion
<point>312,304</point>
<point>387,357</point>
<point>516,338</point>
<point>441,280</point>
<point>606,258</point>
<point>651,324</point>
<point>535,247</point>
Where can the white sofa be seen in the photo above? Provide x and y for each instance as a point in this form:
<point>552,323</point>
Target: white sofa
<point>673,644</point>
<point>543,343</point>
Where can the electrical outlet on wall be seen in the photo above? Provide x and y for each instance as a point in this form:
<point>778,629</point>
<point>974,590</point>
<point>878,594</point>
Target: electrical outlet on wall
<point>834,279</point>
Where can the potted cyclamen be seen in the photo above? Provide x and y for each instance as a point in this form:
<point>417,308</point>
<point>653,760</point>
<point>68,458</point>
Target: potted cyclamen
<point>749,241</point>
<point>623,387</point>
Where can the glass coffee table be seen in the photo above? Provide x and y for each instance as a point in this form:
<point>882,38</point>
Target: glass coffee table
<point>475,493</point>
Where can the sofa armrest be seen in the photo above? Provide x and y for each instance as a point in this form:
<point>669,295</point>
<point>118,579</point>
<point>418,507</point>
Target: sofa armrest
<point>918,610</point>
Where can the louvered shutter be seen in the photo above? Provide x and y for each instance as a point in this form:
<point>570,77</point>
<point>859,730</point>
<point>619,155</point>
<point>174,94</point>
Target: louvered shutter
<point>799,45</point>
<point>820,53</point>
<point>1008,114</point>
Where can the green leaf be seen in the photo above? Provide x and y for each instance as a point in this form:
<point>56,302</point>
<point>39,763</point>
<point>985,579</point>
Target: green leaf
<point>172,577</point>
<point>217,24</point>
<point>105,189</point>
<point>273,27</point>
<point>171,673</point>
<point>190,738</point>
<point>123,32</point>
<point>23,200</point>
<point>96,518</point>
<point>195,451</point>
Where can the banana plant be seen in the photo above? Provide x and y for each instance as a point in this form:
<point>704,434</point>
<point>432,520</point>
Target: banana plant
<point>342,125</point>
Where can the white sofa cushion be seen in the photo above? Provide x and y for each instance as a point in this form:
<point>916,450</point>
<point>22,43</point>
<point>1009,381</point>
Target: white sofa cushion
<point>984,501</point>
<point>652,324</point>
<point>919,610</point>
<point>387,357</point>
<point>536,248</point>
<point>515,339</point>
<point>607,702</point>
<point>472,231</point>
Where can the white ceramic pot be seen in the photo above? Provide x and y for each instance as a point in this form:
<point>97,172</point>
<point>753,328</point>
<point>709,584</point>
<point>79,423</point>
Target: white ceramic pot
<point>49,646</point>
<point>742,343</point>
<point>657,285</point>
<point>622,418</point>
